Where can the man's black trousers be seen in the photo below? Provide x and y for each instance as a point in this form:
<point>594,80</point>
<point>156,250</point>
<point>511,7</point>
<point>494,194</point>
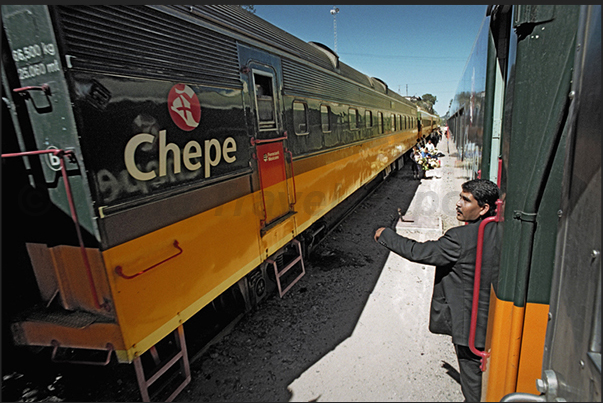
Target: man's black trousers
<point>471,374</point>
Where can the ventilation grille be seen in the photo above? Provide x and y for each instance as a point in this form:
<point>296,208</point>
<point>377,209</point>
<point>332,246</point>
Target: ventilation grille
<point>143,42</point>
<point>303,80</point>
<point>256,28</point>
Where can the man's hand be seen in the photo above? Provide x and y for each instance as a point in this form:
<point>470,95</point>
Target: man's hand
<point>378,233</point>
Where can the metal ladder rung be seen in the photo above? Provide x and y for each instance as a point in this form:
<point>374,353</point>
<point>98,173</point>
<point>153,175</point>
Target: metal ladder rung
<point>279,274</point>
<point>182,355</point>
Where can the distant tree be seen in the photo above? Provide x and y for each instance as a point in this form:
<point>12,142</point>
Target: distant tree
<point>249,8</point>
<point>429,99</point>
<point>426,102</point>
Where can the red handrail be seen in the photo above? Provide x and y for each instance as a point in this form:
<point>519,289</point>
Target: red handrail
<point>263,141</point>
<point>119,269</point>
<point>293,178</point>
<point>499,180</point>
<point>476,284</point>
<point>61,153</point>
<point>255,157</point>
<point>44,88</point>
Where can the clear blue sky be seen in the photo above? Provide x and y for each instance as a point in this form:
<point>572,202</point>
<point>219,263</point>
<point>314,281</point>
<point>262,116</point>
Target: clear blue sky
<point>424,47</point>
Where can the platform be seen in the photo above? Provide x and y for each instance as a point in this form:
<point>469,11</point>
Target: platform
<point>391,355</point>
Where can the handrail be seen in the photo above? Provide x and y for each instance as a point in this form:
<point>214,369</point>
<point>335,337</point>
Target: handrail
<point>263,141</point>
<point>119,269</point>
<point>476,284</point>
<point>262,222</point>
<point>45,88</point>
<point>61,153</point>
<point>23,90</point>
<point>293,178</point>
<point>499,179</point>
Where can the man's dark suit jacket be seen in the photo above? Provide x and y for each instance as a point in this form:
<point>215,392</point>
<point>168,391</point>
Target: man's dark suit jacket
<point>454,257</point>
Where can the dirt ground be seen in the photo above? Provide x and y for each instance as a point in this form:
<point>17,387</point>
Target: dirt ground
<point>270,346</point>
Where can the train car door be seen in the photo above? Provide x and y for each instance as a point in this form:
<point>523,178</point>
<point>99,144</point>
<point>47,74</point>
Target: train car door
<point>262,73</point>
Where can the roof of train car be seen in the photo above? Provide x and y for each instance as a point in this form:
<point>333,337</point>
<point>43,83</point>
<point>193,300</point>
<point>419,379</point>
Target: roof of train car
<point>250,25</point>
<point>424,112</point>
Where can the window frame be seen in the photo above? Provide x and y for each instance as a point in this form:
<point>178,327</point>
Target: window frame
<point>305,113</point>
<point>368,115</point>
<point>355,119</point>
<point>322,125</point>
<point>264,125</point>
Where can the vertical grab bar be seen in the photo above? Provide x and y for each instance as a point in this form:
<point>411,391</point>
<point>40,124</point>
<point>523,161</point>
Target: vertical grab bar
<point>293,179</point>
<point>71,155</point>
<point>476,284</point>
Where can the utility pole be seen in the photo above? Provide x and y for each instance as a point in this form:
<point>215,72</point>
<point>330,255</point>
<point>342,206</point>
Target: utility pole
<point>334,12</point>
<point>406,89</point>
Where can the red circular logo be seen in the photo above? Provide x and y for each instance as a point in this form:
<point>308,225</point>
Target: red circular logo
<point>184,107</point>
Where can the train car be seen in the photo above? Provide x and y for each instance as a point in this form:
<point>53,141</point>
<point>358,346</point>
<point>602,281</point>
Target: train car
<point>429,122</point>
<point>527,116</point>
<point>467,112</point>
<point>158,158</point>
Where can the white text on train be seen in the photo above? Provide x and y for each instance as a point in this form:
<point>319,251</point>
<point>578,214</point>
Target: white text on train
<point>189,155</point>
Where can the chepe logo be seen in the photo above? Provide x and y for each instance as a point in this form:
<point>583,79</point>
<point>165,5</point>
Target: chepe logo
<point>184,107</point>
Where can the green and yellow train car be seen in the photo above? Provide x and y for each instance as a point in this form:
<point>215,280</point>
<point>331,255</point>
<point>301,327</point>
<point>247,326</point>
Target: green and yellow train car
<point>526,116</point>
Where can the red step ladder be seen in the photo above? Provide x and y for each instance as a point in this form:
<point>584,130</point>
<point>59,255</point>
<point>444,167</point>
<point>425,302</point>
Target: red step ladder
<point>181,356</point>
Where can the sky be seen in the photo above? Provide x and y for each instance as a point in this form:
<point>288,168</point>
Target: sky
<point>414,49</point>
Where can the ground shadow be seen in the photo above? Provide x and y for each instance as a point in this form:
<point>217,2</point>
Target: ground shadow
<point>452,372</point>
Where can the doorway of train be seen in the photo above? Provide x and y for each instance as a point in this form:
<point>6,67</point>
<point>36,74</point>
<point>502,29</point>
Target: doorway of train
<point>262,73</point>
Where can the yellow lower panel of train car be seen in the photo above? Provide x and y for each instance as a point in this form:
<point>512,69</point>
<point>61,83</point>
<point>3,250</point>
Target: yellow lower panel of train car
<point>329,178</point>
<point>222,245</point>
<point>532,347</point>
<point>219,247</point>
<point>516,344</point>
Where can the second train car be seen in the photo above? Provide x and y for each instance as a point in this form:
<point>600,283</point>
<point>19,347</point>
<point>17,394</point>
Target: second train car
<point>526,115</point>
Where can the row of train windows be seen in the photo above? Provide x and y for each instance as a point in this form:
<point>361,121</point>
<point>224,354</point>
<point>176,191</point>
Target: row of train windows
<point>396,122</point>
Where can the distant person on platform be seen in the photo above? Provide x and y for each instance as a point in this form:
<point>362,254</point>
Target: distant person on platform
<point>415,157</point>
<point>454,256</point>
<point>430,148</point>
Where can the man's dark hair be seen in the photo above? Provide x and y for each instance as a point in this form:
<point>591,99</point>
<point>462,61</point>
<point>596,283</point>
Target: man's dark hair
<point>484,192</point>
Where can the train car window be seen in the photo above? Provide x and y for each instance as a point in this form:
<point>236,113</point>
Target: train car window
<point>264,95</point>
<point>393,119</point>
<point>300,117</point>
<point>368,115</point>
<point>352,118</point>
<point>325,118</point>
<point>399,122</point>
<point>380,122</point>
